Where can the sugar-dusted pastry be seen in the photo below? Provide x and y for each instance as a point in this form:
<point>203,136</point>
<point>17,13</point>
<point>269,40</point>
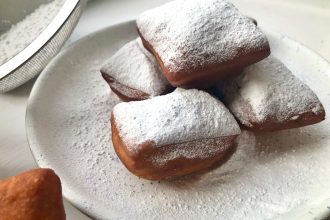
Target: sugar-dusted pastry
<point>268,97</point>
<point>172,135</point>
<point>32,195</point>
<point>133,73</point>
<point>198,42</point>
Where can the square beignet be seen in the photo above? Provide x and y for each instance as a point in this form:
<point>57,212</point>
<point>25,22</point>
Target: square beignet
<point>268,97</point>
<point>133,73</point>
<point>33,195</point>
<point>172,135</point>
<point>198,42</point>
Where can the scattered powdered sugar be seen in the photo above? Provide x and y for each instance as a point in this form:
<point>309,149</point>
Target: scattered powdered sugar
<point>269,175</point>
<point>194,33</point>
<point>178,117</point>
<point>271,90</point>
<point>136,68</point>
<point>20,35</point>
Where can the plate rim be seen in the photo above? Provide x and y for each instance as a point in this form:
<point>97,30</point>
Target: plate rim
<point>30,132</point>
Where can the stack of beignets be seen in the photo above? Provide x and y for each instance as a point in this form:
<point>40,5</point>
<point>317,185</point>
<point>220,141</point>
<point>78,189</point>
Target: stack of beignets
<point>204,44</point>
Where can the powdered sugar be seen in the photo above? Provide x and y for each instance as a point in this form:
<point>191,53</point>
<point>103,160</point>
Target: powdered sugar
<point>201,149</point>
<point>178,117</point>
<point>136,68</point>
<point>269,175</point>
<point>194,33</point>
<point>272,91</point>
<point>19,36</point>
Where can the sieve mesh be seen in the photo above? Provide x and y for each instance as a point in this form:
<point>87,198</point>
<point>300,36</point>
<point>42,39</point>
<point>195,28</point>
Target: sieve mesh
<point>39,60</point>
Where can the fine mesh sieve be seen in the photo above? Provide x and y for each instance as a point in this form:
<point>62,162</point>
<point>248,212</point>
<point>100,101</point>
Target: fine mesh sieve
<point>30,61</point>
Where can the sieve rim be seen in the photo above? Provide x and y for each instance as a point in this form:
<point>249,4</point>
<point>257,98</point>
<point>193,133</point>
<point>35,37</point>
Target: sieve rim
<point>57,22</point>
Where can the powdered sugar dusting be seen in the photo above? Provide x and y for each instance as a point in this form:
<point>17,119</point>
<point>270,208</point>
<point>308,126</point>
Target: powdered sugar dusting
<point>201,149</point>
<point>194,33</point>
<point>269,175</point>
<point>19,36</point>
<point>272,91</point>
<point>136,68</point>
<point>181,116</point>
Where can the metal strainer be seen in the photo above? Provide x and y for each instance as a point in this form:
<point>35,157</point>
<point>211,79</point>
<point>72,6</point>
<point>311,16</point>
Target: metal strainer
<point>30,61</point>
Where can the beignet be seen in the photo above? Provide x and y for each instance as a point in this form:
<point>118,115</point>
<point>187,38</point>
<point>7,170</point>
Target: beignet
<point>133,73</point>
<point>172,135</point>
<point>198,42</point>
<point>32,195</point>
<point>268,97</point>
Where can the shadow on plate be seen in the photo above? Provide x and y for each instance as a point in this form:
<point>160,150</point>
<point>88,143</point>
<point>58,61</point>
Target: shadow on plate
<point>253,148</point>
<point>271,145</point>
<point>23,90</point>
<point>190,180</point>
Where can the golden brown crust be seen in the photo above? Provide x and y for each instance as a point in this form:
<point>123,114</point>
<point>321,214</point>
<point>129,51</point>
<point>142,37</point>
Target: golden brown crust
<point>32,195</point>
<point>141,165</point>
<point>304,119</point>
<point>272,124</point>
<point>204,77</point>
<point>125,93</point>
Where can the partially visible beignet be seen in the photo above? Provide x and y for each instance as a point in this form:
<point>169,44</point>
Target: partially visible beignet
<point>133,73</point>
<point>268,97</point>
<point>197,43</point>
<point>172,135</point>
<point>33,195</point>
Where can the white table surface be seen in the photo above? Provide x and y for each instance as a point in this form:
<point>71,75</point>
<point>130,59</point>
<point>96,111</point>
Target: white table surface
<point>305,21</point>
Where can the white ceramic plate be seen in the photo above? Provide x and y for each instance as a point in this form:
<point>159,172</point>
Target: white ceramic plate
<point>272,175</point>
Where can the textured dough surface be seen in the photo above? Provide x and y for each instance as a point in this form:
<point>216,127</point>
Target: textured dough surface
<point>32,195</point>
